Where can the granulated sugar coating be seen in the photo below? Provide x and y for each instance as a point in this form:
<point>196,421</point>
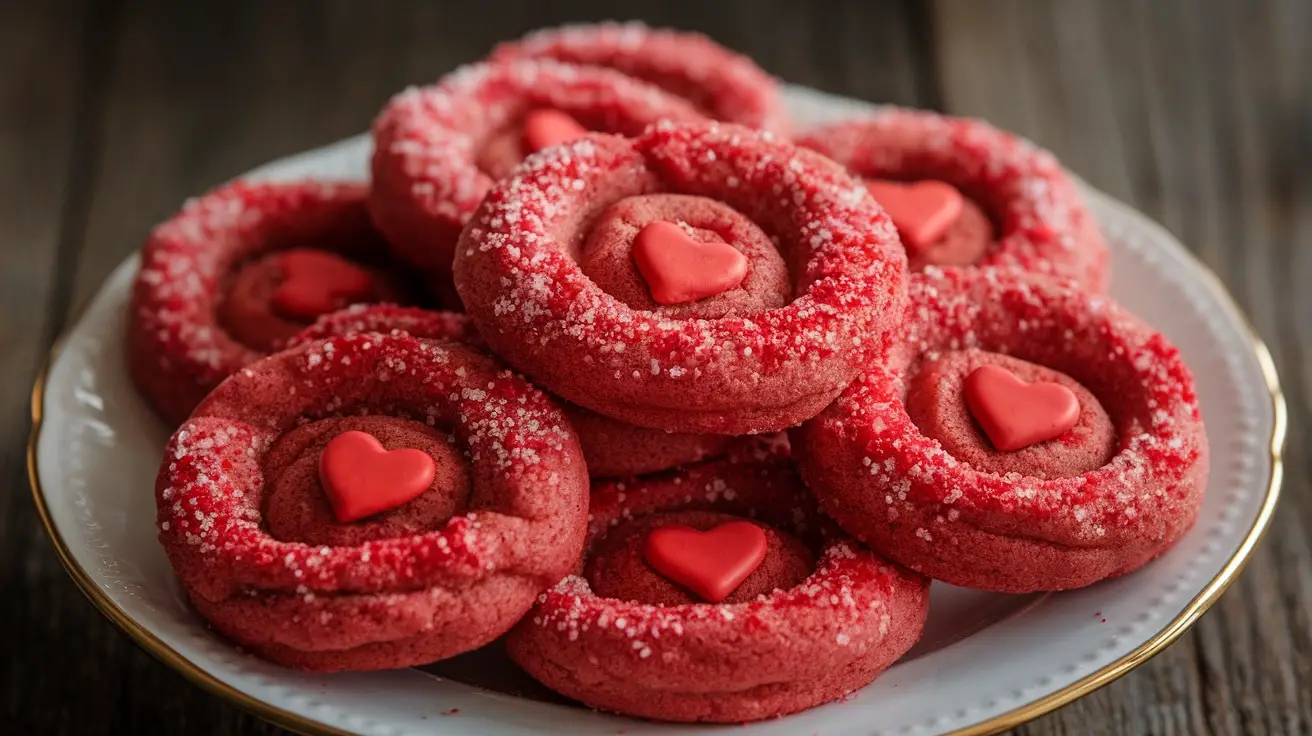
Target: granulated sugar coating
<point>201,305</point>
<point>780,651</point>
<point>1040,219</point>
<point>389,319</point>
<point>505,518</point>
<point>722,84</point>
<point>612,448</point>
<point>740,373</point>
<point>901,492</point>
<point>438,149</point>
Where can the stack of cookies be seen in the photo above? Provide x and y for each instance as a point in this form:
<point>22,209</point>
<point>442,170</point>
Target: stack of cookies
<point>611,360</point>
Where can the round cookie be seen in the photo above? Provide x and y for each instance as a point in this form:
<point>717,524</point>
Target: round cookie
<point>813,619</point>
<point>720,83</point>
<point>371,502</point>
<point>709,348</point>
<point>439,149</point>
<point>1024,437</point>
<point>239,271</point>
<point>964,193</point>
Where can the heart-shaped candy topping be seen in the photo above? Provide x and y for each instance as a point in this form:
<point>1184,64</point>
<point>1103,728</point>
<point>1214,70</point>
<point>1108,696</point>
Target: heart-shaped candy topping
<point>361,478</point>
<point>547,127</point>
<point>1016,414</point>
<point>316,282</point>
<point>922,211</point>
<point>712,563</point>
<point>678,268</point>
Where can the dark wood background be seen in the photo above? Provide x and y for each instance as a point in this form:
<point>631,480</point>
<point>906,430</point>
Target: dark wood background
<point>1199,112</point>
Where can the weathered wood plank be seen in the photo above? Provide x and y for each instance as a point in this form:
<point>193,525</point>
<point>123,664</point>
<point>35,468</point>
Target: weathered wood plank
<point>1196,113</point>
<point>47,117</point>
<point>1263,639</point>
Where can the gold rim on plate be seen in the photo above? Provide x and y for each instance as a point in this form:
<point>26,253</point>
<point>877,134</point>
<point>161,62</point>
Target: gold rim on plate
<point>1046,704</point>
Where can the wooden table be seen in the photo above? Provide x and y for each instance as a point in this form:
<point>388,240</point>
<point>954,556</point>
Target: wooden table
<point>1197,112</point>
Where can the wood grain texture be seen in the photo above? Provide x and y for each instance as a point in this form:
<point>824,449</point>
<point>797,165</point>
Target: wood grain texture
<point>202,92</point>
<point>42,138</point>
<point>1198,112</point>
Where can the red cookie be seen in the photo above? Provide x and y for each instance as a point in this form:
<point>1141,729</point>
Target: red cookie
<point>908,460</point>
<point>438,149</point>
<point>722,84</point>
<point>1014,203</point>
<point>241,269</point>
<point>617,449</point>
<point>612,448</point>
<point>255,486</point>
<point>547,271</point>
<point>389,319</point>
<point>809,616</point>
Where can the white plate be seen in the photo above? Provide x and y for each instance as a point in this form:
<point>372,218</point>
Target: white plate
<point>986,662</point>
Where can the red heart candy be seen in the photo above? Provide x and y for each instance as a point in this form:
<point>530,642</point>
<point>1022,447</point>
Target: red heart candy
<point>544,128</point>
<point>361,478</point>
<point>1016,414</point>
<point>711,563</point>
<point>922,211</point>
<point>316,282</point>
<point>679,269</point>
